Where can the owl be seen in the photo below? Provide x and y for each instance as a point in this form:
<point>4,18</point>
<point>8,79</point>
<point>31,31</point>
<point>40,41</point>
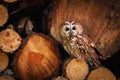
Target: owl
<point>77,44</point>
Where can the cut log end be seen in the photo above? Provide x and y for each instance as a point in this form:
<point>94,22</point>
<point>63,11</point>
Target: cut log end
<point>9,40</point>
<point>76,69</point>
<point>3,15</point>
<point>4,60</point>
<point>101,74</point>
<point>60,78</point>
<point>10,1</point>
<point>6,77</point>
<point>38,58</point>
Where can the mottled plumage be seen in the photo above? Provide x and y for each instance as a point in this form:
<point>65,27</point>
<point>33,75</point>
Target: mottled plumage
<point>77,44</point>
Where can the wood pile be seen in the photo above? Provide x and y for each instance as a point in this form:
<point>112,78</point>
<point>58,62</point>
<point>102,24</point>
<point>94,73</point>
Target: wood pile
<point>31,46</point>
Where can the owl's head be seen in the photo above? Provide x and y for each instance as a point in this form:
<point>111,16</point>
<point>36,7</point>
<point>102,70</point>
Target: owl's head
<point>69,28</point>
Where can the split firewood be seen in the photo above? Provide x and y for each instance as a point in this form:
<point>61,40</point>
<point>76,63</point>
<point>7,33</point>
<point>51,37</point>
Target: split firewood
<point>101,74</point>
<point>10,1</point>
<point>4,77</point>
<point>3,15</point>
<point>4,60</point>
<point>38,59</point>
<point>76,69</point>
<point>9,40</point>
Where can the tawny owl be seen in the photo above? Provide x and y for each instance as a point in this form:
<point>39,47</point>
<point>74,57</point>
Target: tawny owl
<point>77,44</point>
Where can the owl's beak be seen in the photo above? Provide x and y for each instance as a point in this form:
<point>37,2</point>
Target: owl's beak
<point>71,34</point>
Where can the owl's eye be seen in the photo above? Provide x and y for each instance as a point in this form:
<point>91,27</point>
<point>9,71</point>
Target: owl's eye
<point>73,28</point>
<point>66,29</point>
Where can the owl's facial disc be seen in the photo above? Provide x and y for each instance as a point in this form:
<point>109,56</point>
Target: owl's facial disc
<point>71,28</point>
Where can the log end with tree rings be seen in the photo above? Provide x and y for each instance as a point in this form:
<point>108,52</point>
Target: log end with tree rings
<point>101,73</point>
<point>3,15</point>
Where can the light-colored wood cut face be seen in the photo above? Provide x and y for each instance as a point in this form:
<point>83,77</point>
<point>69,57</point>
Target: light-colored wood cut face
<point>4,60</point>
<point>77,70</point>
<point>10,1</point>
<point>9,40</point>
<point>4,77</point>
<point>37,58</point>
<point>101,74</point>
<point>3,15</point>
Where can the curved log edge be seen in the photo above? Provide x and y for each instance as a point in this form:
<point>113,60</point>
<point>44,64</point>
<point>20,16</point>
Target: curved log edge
<point>37,59</point>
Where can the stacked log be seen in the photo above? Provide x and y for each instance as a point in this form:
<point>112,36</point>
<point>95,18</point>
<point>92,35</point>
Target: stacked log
<point>3,15</point>
<point>101,73</point>
<point>10,1</point>
<point>75,69</point>
<point>7,78</point>
<point>38,59</point>
<point>4,60</point>
<point>10,40</point>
